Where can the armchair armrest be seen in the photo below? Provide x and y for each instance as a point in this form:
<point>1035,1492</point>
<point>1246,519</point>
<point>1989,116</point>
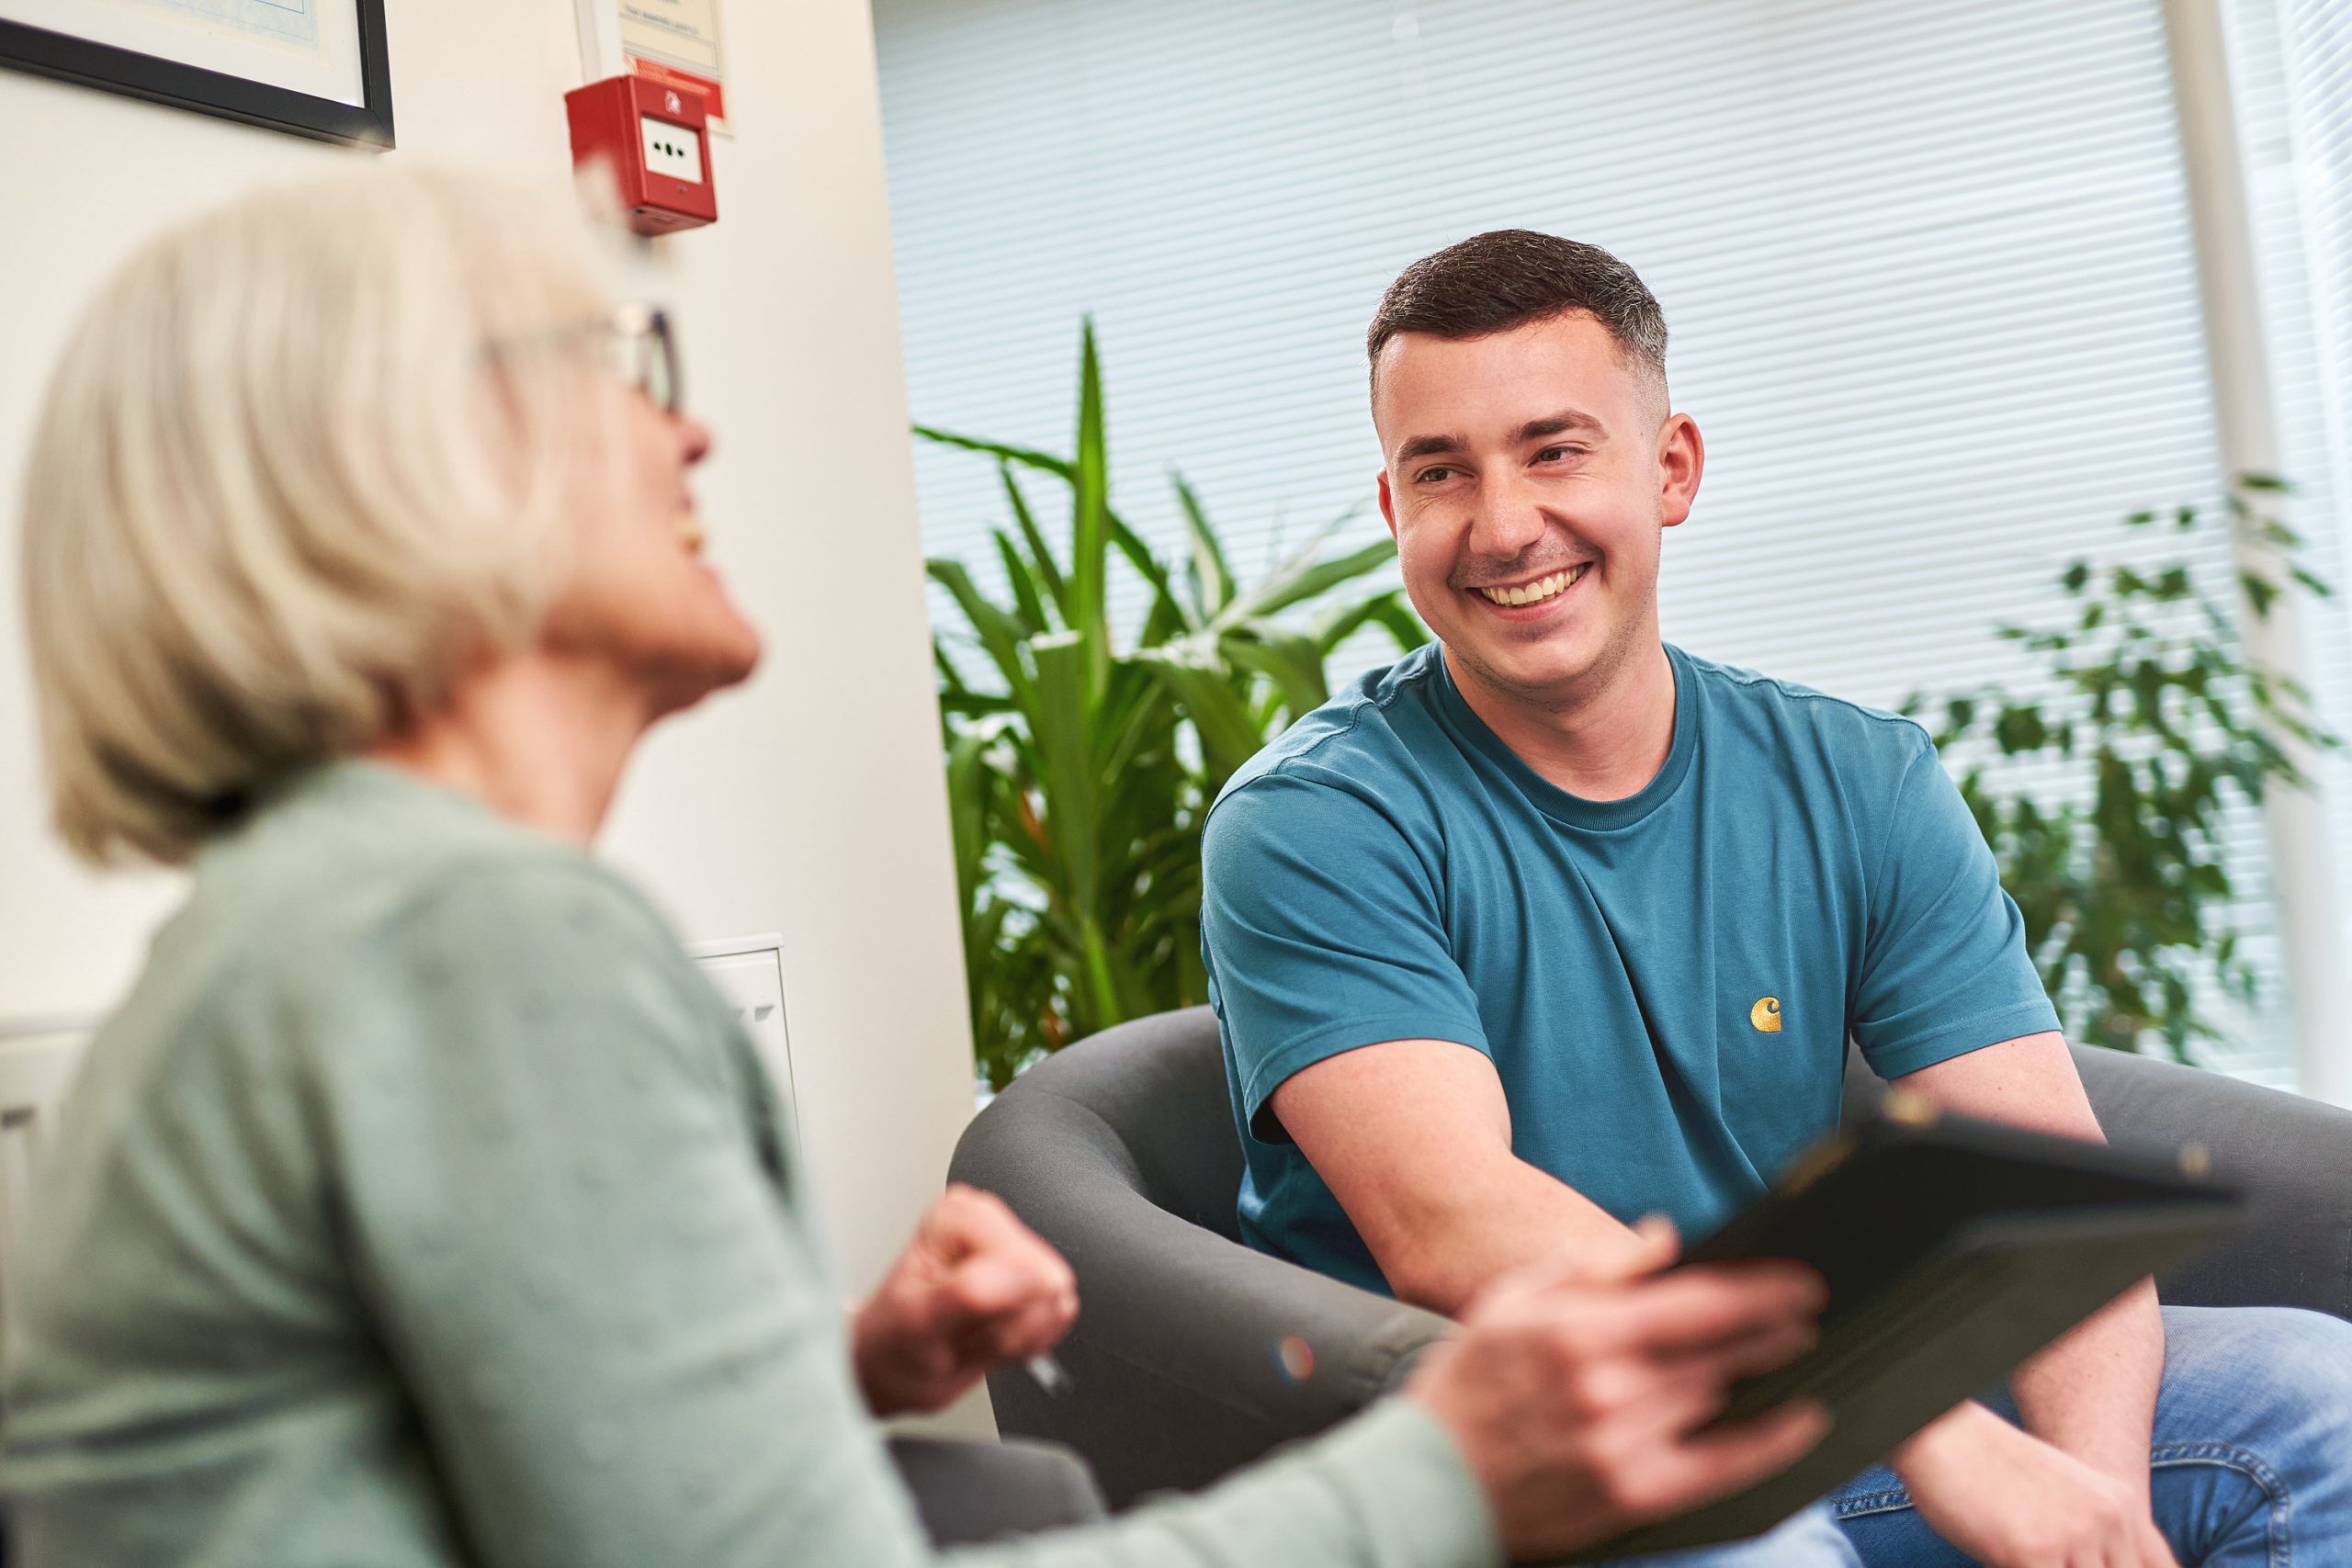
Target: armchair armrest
<point>1177,1364</point>
<point>2293,1156</point>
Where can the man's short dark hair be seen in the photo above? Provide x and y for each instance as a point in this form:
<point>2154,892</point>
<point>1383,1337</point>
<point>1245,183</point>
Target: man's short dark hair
<point>1510,278</point>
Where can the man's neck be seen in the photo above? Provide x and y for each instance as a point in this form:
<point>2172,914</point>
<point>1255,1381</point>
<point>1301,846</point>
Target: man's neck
<point>1603,746</point>
<point>538,739</point>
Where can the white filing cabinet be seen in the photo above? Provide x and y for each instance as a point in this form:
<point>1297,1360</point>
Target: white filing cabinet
<point>749,971</point>
<point>37,1063</point>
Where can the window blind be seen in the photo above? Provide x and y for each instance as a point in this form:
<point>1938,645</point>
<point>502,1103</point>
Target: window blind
<point>2300,57</point>
<point>2293,96</point>
<point>1926,267</point>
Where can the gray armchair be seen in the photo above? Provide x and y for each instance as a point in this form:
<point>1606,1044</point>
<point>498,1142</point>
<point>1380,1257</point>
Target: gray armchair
<point>1121,1151</point>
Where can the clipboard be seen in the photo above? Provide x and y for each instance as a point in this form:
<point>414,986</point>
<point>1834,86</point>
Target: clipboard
<point>1953,1251</point>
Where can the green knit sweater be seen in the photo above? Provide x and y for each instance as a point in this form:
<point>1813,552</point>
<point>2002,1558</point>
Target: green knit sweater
<point>423,1206</point>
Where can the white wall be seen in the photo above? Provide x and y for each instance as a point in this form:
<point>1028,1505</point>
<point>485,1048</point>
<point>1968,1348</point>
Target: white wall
<point>809,803</point>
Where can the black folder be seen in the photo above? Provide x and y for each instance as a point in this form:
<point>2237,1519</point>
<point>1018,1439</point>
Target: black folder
<point>1953,1250</point>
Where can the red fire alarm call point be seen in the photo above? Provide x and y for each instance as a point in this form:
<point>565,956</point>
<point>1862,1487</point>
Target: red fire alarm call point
<point>654,138</point>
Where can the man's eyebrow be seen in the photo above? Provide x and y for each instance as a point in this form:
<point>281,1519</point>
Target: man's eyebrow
<point>1427,447</point>
<point>1561,424</point>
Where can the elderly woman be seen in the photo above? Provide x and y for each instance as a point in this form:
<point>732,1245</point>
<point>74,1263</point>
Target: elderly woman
<point>421,1205</point>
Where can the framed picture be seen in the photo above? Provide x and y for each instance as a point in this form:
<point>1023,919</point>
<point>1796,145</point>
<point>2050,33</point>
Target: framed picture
<point>315,68</point>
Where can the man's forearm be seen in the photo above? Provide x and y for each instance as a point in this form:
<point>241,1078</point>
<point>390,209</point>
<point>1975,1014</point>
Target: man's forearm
<point>1461,1235</point>
<point>1413,1137</point>
<point>2094,1393</point>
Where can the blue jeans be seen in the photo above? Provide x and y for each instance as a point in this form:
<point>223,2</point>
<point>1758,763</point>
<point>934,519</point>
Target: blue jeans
<point>2251,1467</point>
<point>2251,1461</point>
<point>1811,1539</point>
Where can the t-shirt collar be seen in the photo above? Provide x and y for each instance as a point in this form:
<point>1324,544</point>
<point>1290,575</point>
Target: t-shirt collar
<point>1572,811</point>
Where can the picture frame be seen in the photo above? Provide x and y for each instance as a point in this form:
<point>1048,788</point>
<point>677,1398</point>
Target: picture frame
<point>311,68</point>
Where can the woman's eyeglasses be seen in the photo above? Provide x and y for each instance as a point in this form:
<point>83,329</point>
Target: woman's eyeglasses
<point>646,355</point>
<point>639,345</point>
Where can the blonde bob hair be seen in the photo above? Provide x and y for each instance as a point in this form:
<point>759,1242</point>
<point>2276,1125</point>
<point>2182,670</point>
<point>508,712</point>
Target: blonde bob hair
<point>285,488</point>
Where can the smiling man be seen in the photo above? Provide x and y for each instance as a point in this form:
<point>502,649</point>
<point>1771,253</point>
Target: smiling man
<point>1551,925</point>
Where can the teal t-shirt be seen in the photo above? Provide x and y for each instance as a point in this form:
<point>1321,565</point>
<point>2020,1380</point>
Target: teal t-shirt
<point>1666,984</point>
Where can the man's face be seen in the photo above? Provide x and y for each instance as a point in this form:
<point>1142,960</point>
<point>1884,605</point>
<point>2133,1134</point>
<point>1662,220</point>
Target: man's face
<point>1528,476</point>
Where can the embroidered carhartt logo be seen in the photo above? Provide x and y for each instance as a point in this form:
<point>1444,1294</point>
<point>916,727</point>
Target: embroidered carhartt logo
<point>1766,1014</point>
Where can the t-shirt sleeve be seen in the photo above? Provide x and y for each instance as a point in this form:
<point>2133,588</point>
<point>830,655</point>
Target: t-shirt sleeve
<point>1322,930</point>
<point>1944,968</point>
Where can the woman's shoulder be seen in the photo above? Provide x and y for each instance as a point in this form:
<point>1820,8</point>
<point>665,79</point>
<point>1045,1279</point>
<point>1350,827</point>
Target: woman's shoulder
<point>359,853</point>
<point>365,892</point>
<point>347,955</point>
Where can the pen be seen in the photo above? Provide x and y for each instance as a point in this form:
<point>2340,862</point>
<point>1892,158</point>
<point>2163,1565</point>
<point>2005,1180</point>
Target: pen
<point>1050,1374</point>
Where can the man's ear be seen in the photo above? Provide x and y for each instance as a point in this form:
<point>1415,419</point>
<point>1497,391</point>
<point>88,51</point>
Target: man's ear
<point>1387,502</point>
<point>1682,459</point>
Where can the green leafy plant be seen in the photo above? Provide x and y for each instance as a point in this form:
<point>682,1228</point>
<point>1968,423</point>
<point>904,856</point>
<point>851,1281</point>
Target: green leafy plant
<point>2126,891</point>
<point>1078,772</point>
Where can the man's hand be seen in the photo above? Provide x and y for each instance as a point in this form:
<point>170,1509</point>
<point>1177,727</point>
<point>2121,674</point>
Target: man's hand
<point>1576,1395</point>
<point>974,1288</point>
<point>2009,1500</point>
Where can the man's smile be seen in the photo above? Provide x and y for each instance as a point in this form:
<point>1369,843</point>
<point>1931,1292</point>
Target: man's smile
<point>1542,590</point>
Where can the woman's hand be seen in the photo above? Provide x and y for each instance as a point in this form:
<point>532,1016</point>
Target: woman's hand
<point>1578,1394</point>
<point>974,1288</point>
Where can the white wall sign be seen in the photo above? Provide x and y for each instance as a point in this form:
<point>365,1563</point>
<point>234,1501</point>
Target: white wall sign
<point>673,41</point>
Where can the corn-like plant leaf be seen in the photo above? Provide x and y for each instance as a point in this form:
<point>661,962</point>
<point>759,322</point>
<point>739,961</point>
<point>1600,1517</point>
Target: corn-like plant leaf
<point>1291,659</point>
<point>999,633</point>
<point>1393,612</point>
<point>1089,529</point>
<point>1340,622</point>
<point>1041,558</point>
<point>1137,551</point>
<point>1060,730</point>
<point>968,790</point>
<point>1027,457</point>
<point>974,704</point>
<point>1212,578</point>
<point>1024,588</point>
<point>1302,578</point>
<point>1219,715</point>
<point>951,680</point>
<point>1165,622</point>
<point>1148,721</point>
